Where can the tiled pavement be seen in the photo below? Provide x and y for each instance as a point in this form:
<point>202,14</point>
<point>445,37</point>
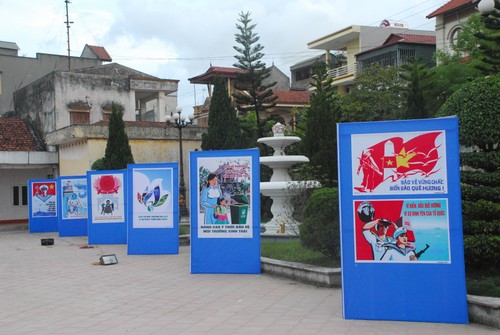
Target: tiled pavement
<point>58,290</point>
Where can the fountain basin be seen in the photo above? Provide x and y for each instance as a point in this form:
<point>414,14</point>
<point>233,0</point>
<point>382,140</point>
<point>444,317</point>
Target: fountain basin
<point>279,143</point>
<point>283,162</point>
<point>286,188</point>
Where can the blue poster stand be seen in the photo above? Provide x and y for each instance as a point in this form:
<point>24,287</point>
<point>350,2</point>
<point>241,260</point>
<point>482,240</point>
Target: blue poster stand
<point>425,183</point>
<point>42,206</point>
<point>153,209</point>
<point>228,242</point>
<point>73,209</point>
<point>107,207</point>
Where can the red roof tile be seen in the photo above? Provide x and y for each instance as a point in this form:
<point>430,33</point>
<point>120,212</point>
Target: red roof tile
<point>449,6</point>
<point>216,71</point>
<point>409,38</point>
<point>15,136</point>
<point>100,52</point>
<point>292,97</point>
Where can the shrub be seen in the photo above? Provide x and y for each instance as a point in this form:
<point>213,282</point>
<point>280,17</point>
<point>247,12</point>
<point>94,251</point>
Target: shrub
<point>98,164</point>
<point>481,251</point>
<point>320,230</point>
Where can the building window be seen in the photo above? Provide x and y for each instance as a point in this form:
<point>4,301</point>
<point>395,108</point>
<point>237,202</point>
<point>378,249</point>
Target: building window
<point>454,35</point>
<point>79,113</point>
<point>79,118</point>
<point>20,195</point>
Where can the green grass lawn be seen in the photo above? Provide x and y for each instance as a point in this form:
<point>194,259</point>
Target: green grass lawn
<point>292,251</point>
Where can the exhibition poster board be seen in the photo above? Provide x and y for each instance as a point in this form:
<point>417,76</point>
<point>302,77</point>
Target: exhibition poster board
<point>42,206</point>
<point>225,211</point>
<point>153,210</point>
<point>73,209</point>
<point>107,207</point>
<point>401,221</point>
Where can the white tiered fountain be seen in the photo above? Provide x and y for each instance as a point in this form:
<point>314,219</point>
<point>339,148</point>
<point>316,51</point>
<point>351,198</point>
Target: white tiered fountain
<point>281,188</point>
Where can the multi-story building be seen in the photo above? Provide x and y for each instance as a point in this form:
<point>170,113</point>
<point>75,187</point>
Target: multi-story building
<point>55,122</point>
<point>449,19</point>
<point>352,41</point>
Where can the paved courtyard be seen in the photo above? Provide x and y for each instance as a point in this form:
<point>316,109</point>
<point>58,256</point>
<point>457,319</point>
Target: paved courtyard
<point>59,290</point>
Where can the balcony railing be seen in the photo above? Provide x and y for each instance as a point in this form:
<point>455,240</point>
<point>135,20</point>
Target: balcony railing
<point>343,70</point>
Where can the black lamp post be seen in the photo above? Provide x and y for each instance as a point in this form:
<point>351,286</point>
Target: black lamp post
<point>178,121</point>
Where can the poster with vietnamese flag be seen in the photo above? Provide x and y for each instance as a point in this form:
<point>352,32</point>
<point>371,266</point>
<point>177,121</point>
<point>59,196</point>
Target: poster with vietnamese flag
<point>399,163</point>
<point>401,221</point>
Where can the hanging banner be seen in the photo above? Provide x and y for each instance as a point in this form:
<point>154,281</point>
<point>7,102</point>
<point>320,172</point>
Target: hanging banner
<point>401,220</point>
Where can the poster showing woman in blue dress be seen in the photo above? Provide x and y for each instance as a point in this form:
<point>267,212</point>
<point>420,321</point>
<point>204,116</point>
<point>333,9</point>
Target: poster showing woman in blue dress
<point>224,198</point>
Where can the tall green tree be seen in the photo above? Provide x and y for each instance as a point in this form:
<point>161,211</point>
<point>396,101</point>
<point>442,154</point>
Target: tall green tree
<point>416,74</point>
<point>118,153</point>
<point>455,68</point>
<point>478,111</point>
<point>223,127</point>
<point>251,93</point>
<point>489,42</point>
<point>375,96</point>
<point>320,140</point>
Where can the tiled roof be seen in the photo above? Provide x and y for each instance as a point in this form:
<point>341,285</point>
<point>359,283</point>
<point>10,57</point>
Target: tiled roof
<point>292,97</point>
<point>403,38</point>
<point>409,38</point>
<point>449,6</point>
<point>15,136</point>
<point>216,71</point>
<point>100,52</point>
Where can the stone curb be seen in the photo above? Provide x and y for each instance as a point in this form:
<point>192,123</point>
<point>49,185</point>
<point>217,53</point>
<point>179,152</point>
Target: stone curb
<point>309,274</point>
<point>482,310</point>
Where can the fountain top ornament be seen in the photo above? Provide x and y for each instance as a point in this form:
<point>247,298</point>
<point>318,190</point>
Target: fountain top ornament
<point>279,141</point>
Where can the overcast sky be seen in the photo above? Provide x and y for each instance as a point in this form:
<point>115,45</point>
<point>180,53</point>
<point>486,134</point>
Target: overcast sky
<point>179,39</point>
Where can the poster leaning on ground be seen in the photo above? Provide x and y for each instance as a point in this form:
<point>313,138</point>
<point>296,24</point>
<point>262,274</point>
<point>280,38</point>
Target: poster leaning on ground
<point>401,222</point>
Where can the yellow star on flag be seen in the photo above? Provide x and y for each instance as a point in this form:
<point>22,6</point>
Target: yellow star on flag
<point>402,158</point>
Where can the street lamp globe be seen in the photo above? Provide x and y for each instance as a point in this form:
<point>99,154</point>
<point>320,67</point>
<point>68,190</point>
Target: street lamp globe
<point>486,6</point>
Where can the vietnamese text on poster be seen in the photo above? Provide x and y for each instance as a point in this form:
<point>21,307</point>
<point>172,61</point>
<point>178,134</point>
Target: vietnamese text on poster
<point>74,198</point>
<point>411,230</point>
<point>44,199</point>
<point>152,200</point>
<point>224,206</point>
<point>399,163</point>
<point>107,198</point>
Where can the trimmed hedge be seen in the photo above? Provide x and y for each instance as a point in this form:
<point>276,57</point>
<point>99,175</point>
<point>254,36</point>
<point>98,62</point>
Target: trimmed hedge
<point>482,253</point>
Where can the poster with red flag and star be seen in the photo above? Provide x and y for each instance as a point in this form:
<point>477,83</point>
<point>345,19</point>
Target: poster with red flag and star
<point>399,163</point>
<point>401,220</point>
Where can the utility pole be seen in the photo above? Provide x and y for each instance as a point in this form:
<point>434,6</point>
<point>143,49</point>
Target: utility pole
<point>68,22</point>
